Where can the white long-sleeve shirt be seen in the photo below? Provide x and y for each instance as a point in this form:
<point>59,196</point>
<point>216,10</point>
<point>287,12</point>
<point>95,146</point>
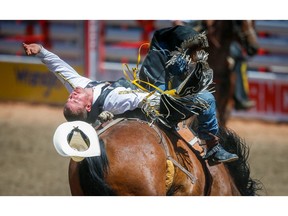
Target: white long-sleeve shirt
<point>116,102</point>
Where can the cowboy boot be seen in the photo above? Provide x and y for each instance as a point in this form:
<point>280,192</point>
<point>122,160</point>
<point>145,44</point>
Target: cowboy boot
<point>217,153</point>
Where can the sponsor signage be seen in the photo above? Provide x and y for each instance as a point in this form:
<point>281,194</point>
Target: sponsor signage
<point>31,83</point>
<point>270,92</point>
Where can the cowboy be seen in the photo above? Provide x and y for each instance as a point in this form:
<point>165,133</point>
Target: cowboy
<point>177,64</point>
<point>89,98</point>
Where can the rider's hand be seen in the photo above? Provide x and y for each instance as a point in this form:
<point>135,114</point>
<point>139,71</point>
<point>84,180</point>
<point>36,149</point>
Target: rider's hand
<point>31,49</point>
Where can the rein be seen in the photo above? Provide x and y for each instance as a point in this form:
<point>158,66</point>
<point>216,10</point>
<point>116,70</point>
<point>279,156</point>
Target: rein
<point>109,125</point>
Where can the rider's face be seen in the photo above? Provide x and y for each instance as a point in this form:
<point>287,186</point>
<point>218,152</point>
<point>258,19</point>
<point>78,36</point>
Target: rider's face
<point>78,99</point>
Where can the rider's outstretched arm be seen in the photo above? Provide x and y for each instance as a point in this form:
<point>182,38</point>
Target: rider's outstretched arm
<point>63,71</point>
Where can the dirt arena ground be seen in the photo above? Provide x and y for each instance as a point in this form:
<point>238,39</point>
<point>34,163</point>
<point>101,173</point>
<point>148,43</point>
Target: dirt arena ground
<point>30,166</point>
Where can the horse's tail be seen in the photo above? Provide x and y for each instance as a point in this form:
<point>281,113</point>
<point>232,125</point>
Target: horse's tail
<point>91,173</point>
<point>239,170</point>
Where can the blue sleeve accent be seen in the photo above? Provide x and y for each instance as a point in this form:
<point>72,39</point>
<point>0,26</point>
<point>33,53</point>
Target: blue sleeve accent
<point>162,86</point>
<point>179,67</point>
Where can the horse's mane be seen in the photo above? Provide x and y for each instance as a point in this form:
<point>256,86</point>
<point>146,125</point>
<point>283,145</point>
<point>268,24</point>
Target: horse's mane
<point>91,173</point>
<point>239,169</point>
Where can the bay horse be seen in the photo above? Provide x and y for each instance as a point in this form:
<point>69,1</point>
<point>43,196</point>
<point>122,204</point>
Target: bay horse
<point>139,158</point>
<point>220,34</point>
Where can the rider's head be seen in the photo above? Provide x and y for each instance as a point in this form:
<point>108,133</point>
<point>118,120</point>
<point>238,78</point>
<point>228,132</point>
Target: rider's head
<point>78,105</point>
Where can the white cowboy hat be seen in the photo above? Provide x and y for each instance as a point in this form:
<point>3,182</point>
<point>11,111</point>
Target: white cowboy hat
<point>76,139</point>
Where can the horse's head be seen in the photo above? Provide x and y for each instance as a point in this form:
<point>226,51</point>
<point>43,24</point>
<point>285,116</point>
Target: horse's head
<point>246,34</point>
